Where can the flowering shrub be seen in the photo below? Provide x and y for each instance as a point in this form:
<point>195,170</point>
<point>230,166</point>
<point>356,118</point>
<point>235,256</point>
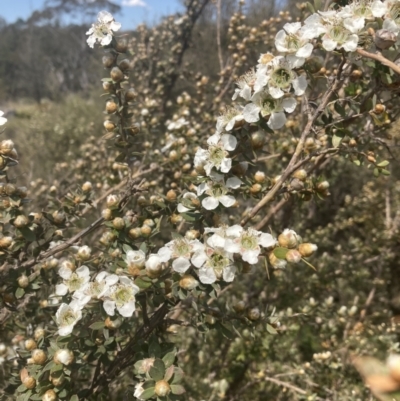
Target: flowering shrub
<point>99,295</point>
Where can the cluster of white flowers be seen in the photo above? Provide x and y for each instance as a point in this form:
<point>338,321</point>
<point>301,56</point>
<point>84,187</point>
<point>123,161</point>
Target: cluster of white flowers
<point>116,292</point>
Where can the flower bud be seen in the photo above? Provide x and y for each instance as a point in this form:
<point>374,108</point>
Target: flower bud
<point>259,177</point>
<point>306,249</point>
<point>384,39</point>
<point>276,262</point>
<point>145,231</point>
<point>254,314</point>
<point>379,108</point>
<point>188,282</point>
<point>154,267</point>
<point>109,125</point>
<point>30,344</point>
<point>5,242</point>
<point>135,233</point>
<point>112,201</point>
<point>121,46</point>
<point>124,64</point>
<point>23,281</point>
<point>258,140</point>
<point>111,107</point>
<point>10,189</point>
<point>162,388</point>
<point>255,189</point>
<point>322,186</point>
<point>6,146</point>
<point>87,187</point>
<point>118,223</point>
<point>288,239</point>
<point>239,306</point>
<point>393,363</point>
<point>63,356</point>
<point>50,395</point>
<point>108,87</point>
<point>113,323</point>
<point>130,95</point>
<point>108,60</point>
<point>293,256</point>
<point>39,357</point>
<point>300,174</point>
<point>171,195</point>
<point>58,217</point>
<point>84,253</point>
<point>192,234</point>
<point>20,221</point>
<point>39,333</point>
<point>116,74</point>
<point>29,382</point>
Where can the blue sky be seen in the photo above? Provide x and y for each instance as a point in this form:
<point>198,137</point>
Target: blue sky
<point>133,11</point>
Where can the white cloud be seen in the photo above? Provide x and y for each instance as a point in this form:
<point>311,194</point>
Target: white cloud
<point>134,3</point>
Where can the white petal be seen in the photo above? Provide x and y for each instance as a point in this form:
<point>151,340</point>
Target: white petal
<point>289,104</point>
<point>351,44</point>
<point>216,241</point>
<point>354,25</point>
<point>276,93</point>
<point>233,182</point>
<point>229,273</point>
<point>112,279</point>
<point>65,273</point>
<point>66,330</point>
<point>207,275</point>
<point>234,231</point>
<point>277,120</point>
<point>226,165</point>
<point>266,240</point>
<point>210,203</point>
<point>127,309</point>
<point>229,142</point>
<point>292,27</point>
<point>231,246</point>
<point>300,85</point>
<point>181,208</point>
<point>329,44</point>
<point>202,188</point>
<point>106,40</point>
<point>165,254</point>
<point>251,113</point>
<point>251,256</point>
<point>214,139</point>
<point>227,200</point>
<point>109,307</point>
<point>305,51</point>
<point>3,120</point>
<point>246,92</point>
<point>115,26</point>
<point>199,258</point>
<point>280,41</point>
<point>83,271</point>
<point>180,265</point>
<point>390,25</point>
<point>378,8</point>
<point>61,289</point>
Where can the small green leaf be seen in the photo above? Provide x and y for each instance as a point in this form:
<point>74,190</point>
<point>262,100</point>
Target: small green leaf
<point>169,358</point>
<point>376,172</point>
<point>280,252</point>
<point>143,283</point>
<point>357,162</point>
<point>28,234</point>
<point>383,163</point>
<point>157,372</point>
<point>178,375</point>
<point>97,326</point>
<point>169,373</point>
<point>74,398</point>
<point>177,389</point>
<point>385,172</point>
<point>271,330</point>
<point>336,140</point>
<point>148,393</point>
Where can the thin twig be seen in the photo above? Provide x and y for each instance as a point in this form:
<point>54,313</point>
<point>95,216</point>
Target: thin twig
<point>378,57</point>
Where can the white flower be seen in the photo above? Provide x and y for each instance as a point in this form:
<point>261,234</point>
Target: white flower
<point>279,78</point>
<point>102,30</point>
<point>179,249</point>
<point>218,237</point>
<point>291,39</point>
<point>273,109</point>
<point>3,120</point>
<point>216,154</point>
<point>214,264</point>
<point>178,124</point>
<point>95,289</point>
<point>171,141</point>
<point>390,11</point>
<point>189,202</point>
<point>67,316</point>
<point>231,118</point>
<point>247,242</point>
<point>135,258</point>
<point>138,391</point>
<point>245,83</point>
<point>73,281</point>
<point>358,9</point>
<point>121,296</point>
<point>217,191</point>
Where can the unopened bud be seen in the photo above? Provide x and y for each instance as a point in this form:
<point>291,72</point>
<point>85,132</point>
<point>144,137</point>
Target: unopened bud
<point>29,382</point>
<point>6,146</point>
<point>288,239</point>
<point>113,323</point>
<point>259,177</point>
<point>322,186</point>
<point>300,174</point>
<point>57,380</point>
<point>154,266</point>
<point>135,233</point>
<point>162,388</point>
<point>5,242</point>
<point>111,107</point>
<point>276,262</point>
<point>118,223</point>
<point>121,46</point>
<point>255,189</point>
<point>87,187</point>
<point>192,234</point>
<point>116,74</point>
<point>63,356</point>
<point>379,108</point>
<point>108,87</point>
<point>39,357</point>
<point>10,189</point>
<point>112,201</point>
<point>293,256</point>
<point>39,333</point>
<point>258,140</point>
<point>254,314</point>
<point>58,217</point>
<point>23,281</point>
<point>130,95</point>
<point>50,395</point>
<point>124,64</point>
<point>384,39</point>
<point>109,125</point>
<point>21,221</point>
<point>171,195</point>
<point>239,306</point>
<point>30,344</point>
<point>307,249</point>
<point>84,253</point>
<point>108,60</point>
<point>188,282</point>
<point>107,214</point>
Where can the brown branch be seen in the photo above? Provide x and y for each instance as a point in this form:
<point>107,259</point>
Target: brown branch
<point>221,61</point>
<point>378,57</point>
